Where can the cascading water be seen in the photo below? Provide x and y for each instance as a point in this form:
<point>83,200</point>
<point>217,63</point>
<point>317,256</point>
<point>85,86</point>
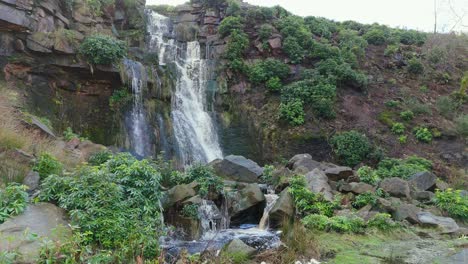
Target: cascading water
<point>194,129</point>
<point>270,198</point>
<point>136,121</point>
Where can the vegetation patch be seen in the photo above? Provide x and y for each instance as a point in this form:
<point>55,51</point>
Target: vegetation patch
<point>13,201</point>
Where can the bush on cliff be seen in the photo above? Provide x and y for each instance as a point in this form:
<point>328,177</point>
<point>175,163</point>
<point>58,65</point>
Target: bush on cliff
<point>103,50</point>
<point>229,24</point>
<point>351,147</point>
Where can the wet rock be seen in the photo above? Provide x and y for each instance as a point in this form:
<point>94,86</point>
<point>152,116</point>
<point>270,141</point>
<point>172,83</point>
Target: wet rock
<point>247,205</point>
<point>357,187</point>
<point>396,187</point>
<point>237,246</point>
<point>43,219</point>
<point>339,173</point>
<point>237,168</point>
<point>283,209</point>
<point>32,181</point>
<point>408,212</point>
<point>446,224</point>
<point>317,182</point>
<point>178,193</point>
<point>423,181</point>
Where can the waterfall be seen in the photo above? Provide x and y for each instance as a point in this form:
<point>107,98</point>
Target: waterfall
<point>209,216</point>
<point>194,129</point>
<point>270,198</point>
<point>138,126</point>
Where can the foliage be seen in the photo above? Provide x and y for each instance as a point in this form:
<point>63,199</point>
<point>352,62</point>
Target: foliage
<point>47,165</point>
<point>267,176</point>
<point>308,202</point>
<point>99,158</point>
<point>342,73</point>
<point>321,27</point>
<point>119,98</point>
<point>316,222</point>
<point>382,221</point>
<point>206,178</point>
<point>349,40</point>
<point>274,84</point>
<point>265,31</point>
<point>190,211</point>
<point>453,202</point>
<point>392,103</point>
<point>294,51</point>
<point>341,224</point>
<point>293,112</point>
<point>13,200</point>
<point>368,175</point>
<point>375,36</point>
<point>423,134</point>
<point>234,257</point>
<point>402,168</point>
<point>461,124</point>
<point>391,50</point>
<point>415,66</point>
<point>462,94</point>
<point>102,49</point>
<point>411,37</point>
<point>229,25</point>
<point>237,44</point>
<point>234,8</point>
<point>68,135</point>
<point>115,204</point>
<point>403,139</point>
<point>351,147</point>
<point>446,106</point>
<point>398,128</point>
<point>364,199</point>
<point>264,70</point>
<point>407,115</point>
<point>96,6</point>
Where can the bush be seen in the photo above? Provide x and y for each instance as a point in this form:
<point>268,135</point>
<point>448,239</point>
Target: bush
<point>263,71</point>
<point>411,37</point>
<point>461,124</point>
<point>119,98</point>
<point>415,66</point>
<point>407,115</point>
<point>398,128</point>
<point>375,36</point>
<point>351,147</point>
<point>237,44</point>
<point>368,175</point>
<point>342,73</point>
<point>293,112</point>
<point>350,40</point>
<point>391,50</point>
<point>446,106</point>
<point>382,222</point>
<point>206,178</point>
<point>99,158</point>
<point>423,134</point>
<point>101,49</point>
<point>402,168</point>
<point>392,103</point>
<point>47,165</point>
<point>190,211</point>
<point>316,222</point>
<point>274,84</point>
<point>364,199</point>
<point>13,200</point>
<point>321,27</point>
<point>229,25</point>
<point>265,31</point>
<point>294,51</point>
<point>453,202</point>
<point>341,224</point>
<point>402,139</point>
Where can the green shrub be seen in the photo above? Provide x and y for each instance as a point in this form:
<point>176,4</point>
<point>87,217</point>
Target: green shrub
<point>364,199</point>
<point>423,134</point>
<point>402,168</point>
<point>274,84</point>
<point>234,257</point>
<point>68,134</point>
<point>321,27</point>
<point>382,222</point>
<point>316,222</point>
<point>206,178</point>
<point>96,6</point>
<point>461,124</point>
<point>392,103</point>
<point>265,31</point>
<point>13,200</point>
<point>99,158</point>
<point>453,202</point>
<point>47,165</point>
<point>342,73</point>
<point>391,50</point>
<point>350,40</point>
<point>323,50</point>
<point>234,8</point>
<point>446,106</point>
<point>368,175</point>
<point>236,46</point>
<point>403,139</point>
<point>264,70</point>
<point>101,49</point>
<point>229,25</point>
<point>293,112</point>
<point>398,128</point>
<point>308,202</point>
<point>119,98</point>
<point>415,66</point>
<point>344,224</point>
<point>351,147</point>
<point>267,176</point>
<point>375,36</point>
<point>407,115</point>
<point>410,37</point>
<point>294,51</point>
<point>190,211</point>
<point>294,26</point>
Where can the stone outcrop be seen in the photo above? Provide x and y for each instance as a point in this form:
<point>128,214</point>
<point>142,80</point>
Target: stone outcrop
<point>423,181</point>
<point>283,209</point>
<point>339,173</point>
<point>179,193</point>
<point>396,187</point>
<point>237,168</point>
<point>317,182</point>
<point>446,224</point>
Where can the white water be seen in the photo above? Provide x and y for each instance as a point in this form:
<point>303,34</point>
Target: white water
<point>194,129</point>
<point>271,199</point>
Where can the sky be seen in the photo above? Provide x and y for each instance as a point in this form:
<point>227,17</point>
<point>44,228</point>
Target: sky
<point>411,14</point>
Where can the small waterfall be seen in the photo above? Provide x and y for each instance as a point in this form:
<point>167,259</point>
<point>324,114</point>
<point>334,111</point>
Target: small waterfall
<point>139,138</point>
<point>194,129</point>
<point>270,198</point>
<point>209,215</point>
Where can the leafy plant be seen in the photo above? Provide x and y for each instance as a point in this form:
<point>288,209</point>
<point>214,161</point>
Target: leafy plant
<point>13,200</point>
<point>119,98</point>
<point>236,46</point>
<point>102,49</point>
<point>344,224</point>
<point>453,202</point>
<point>382,221</point>
<point>461,123</point>
<point>392,103</point>
<point>316,222</point>
<point>267,176</point>
<point>274,84</point>
<point>407,115</point>
<point>375,36</point>
<point>47,165</point>
<point>265,31</point>
<point>99,158</point>
<point>293,112</point>
<point>364,199</point>
<point>415,66</point>
<point>190,211</point>
<point>230,24</point>
<point>351,147</point>
<point>368,175</point>
<point>398,128</point>
<point>403,139</point>
<point>206,178</point>
<point>294,51</point>
<point>402,168</point>
<point>391,50</point>
<point>423,134</point>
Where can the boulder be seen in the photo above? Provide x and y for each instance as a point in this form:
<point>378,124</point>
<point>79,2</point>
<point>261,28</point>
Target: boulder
<point>441,185</point>
<point>396,187</point>
<point>423,181</point>
<point>446,224</point>
<point>275,43</point>
<point>357,187</point>
<point>408,212</point>
<point>42,219</point>
<point>178,193</point>
<point>237,246</point>
<point>32,181</point>
<point>317,182</point>
<point>283,208</point>
<point>249,196</point>
<point>14,19</point>
<point>237,168</point>
<point>339,173</point>
<point>423,195</point>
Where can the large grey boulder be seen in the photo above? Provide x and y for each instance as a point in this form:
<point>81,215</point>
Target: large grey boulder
<point>283,209</point>
<point>339,173</point>
<point>396,187</point>
<point>408,212</point>
<point>248,197</point>
<point>317,182</point>
<point>237,246</point>
<point>446,224</point>
<point>237,168</point>
<point>43,219</point>
<point>357,187</point>
<point>32,181</point>
<point>423,181</point>
<point>423,195</point>
<point>303,163</point>
<point>178,193</point>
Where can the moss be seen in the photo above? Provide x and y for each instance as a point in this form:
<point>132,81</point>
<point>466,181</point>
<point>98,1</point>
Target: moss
<point>386,118</point>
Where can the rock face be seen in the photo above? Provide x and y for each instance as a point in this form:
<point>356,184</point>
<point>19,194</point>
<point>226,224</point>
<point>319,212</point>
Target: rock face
<point>32,181</point>
<point>41,219</point>
<point>237,168</point>
<point>408,212</point>
<point>247,205</point>
<point>178,193</point>
<point>396,187</point>
<point>283,209</point>
<point>317,182</point>
<point>446,224</point>
<point>339,173</point>
<point>357,187</point>
<point>423,181</point>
